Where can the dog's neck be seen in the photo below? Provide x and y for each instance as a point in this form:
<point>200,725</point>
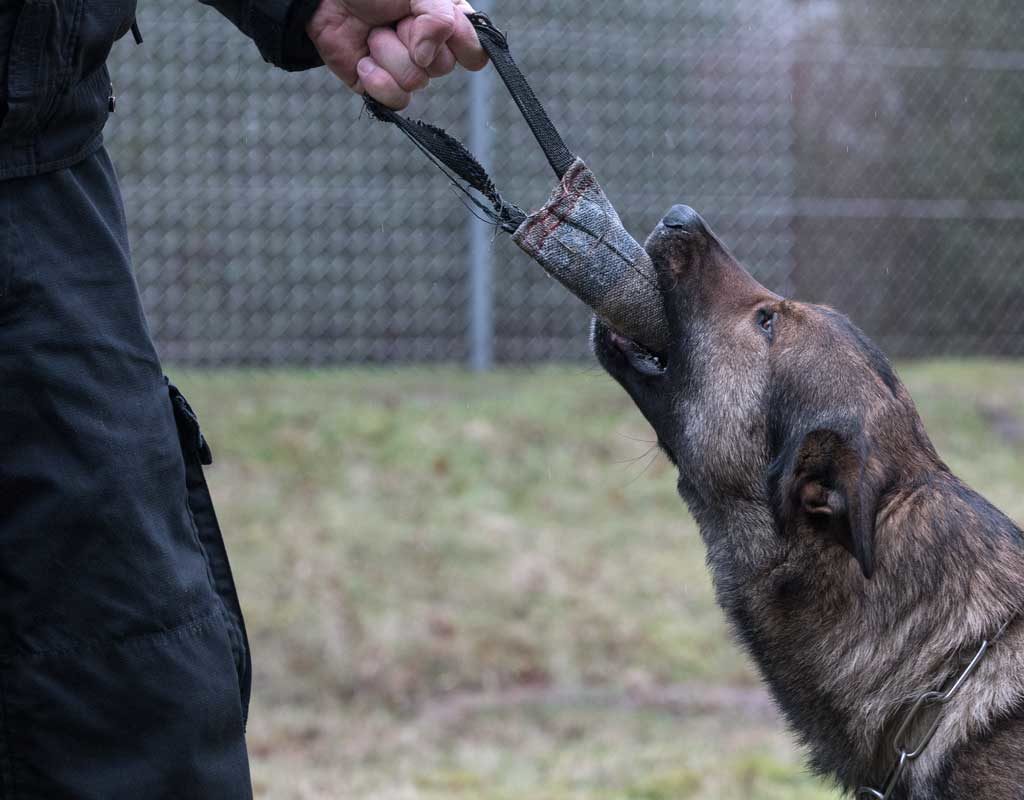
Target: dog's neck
<point>843,654</point>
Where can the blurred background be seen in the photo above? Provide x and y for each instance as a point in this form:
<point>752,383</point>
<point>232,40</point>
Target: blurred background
<point>466,571</point>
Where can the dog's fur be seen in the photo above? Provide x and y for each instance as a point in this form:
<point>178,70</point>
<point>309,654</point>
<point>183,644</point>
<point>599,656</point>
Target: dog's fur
<point>857,570</point>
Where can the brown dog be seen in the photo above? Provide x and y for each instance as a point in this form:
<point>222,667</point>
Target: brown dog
<point>854,566</point>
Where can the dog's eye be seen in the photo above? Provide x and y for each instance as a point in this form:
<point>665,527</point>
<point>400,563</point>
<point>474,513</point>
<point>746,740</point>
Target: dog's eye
<point>766,321</point>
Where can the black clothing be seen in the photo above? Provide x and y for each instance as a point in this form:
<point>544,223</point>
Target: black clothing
<point>124,664</point>
<point>54,86</point>
<point>124,668</point>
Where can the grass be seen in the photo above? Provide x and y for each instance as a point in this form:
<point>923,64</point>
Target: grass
<point>486,588</point>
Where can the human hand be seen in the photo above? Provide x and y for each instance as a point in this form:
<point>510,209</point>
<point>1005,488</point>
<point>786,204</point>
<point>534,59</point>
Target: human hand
<point>392,48</point>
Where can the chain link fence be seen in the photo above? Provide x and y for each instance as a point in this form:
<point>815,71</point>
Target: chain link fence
<point>868,155</point>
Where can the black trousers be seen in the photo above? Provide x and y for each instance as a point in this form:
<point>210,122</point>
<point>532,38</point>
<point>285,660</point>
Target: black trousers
<point>124,667</point>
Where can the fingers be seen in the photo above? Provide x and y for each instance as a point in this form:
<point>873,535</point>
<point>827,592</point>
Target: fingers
<point>391,55</point>
<point>442,64</point>
<point>381,86</point>
<point>389,63</point>
<point>340,39</point>
<point>464,43</point>
<point>432,26</point>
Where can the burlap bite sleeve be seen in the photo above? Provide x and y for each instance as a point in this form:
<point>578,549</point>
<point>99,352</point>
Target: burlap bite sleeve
<point>578,238</point>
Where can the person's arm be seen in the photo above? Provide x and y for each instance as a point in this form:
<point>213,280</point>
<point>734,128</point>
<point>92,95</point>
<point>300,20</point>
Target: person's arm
<point>387,48</point>
<point>278,27</point>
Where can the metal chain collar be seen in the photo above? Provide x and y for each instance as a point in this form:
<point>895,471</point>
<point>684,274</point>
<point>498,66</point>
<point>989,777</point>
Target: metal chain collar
<point>927,700</point>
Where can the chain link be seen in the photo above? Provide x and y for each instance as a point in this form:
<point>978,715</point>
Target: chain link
<point>274,223</point>
<point>926,700</point>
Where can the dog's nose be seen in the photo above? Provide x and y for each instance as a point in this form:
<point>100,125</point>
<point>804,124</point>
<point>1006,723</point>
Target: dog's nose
<point>683,218</point>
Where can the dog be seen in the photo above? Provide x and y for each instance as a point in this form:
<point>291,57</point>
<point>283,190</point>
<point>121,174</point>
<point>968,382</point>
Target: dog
<point>853,566</point>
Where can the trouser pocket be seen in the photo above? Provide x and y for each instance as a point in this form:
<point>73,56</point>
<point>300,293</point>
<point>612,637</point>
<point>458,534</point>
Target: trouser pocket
<point>197,454</point>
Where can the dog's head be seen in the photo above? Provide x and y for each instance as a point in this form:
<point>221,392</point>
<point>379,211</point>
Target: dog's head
<point>765,401</point>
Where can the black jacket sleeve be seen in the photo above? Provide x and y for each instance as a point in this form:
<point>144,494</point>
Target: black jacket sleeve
<point>278,27</point>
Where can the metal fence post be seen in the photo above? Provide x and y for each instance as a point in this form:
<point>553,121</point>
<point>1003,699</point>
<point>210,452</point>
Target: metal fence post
<point>481,254</point>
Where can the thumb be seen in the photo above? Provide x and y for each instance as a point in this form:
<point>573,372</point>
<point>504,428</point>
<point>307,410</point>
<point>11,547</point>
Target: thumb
<point>433,24</point>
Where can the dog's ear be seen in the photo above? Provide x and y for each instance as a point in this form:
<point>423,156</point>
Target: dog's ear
<point>822,483</point>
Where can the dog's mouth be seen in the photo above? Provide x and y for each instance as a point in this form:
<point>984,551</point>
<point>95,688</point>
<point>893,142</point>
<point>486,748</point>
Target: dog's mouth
<point>638,370</point>
<point>639,358</point>
<point>619,354</point>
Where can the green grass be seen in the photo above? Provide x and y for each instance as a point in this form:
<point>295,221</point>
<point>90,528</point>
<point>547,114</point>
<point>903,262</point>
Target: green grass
<point>484,588</point>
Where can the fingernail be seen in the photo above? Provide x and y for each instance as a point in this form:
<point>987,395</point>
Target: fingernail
<point>365,67</point>
<point>425,53</point>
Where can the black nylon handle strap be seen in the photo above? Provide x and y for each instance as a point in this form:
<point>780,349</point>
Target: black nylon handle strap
<point>454,158</point>
<point>495,43</point>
